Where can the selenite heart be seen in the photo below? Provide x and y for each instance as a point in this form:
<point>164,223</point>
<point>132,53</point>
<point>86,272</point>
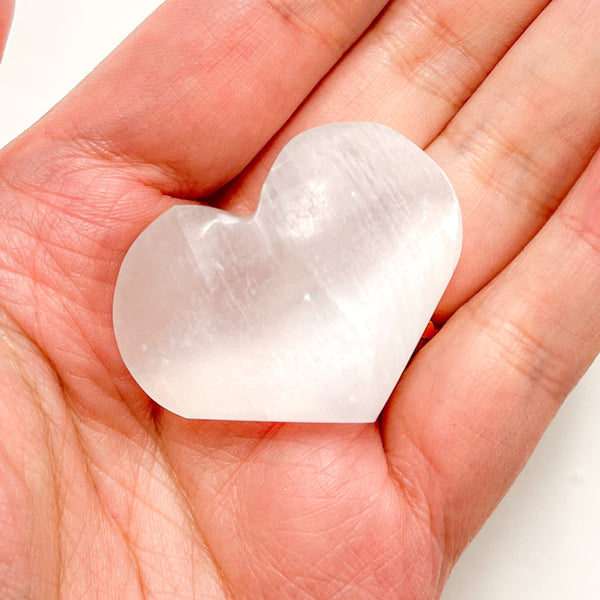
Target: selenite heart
<point>310,309</point>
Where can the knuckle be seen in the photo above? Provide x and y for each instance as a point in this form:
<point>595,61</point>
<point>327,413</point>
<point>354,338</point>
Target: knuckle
<point>528,357</point>
<point>423,49</point>
<point>317,19</point>
<point>586,230</point>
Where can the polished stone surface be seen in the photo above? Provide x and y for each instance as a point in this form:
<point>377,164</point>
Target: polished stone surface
<point>310,309</point>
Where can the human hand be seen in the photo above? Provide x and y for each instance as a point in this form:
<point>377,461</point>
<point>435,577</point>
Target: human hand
<point>103,493</point>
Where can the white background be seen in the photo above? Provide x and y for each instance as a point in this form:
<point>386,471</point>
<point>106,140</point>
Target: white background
<point>543,542</point>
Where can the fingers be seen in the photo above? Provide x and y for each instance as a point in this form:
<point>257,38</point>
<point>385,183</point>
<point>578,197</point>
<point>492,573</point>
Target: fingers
<point>200,87</point>
<point>7,8</point>
<point>412,71</point>
<point>521,142</point>
<point>477,399</point>
<point>420,63</point>
<point>516,146</point>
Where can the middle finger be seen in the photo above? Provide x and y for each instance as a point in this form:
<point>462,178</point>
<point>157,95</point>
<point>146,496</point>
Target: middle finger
<point>412,71</point>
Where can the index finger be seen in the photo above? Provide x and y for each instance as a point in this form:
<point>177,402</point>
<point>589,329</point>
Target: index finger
<point>201,86</point>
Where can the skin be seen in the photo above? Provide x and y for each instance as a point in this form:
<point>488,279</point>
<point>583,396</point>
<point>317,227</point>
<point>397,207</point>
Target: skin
<point>102,493</point>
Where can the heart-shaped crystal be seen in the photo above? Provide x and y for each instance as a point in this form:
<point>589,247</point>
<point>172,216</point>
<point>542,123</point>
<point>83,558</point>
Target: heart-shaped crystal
<point>310,309</point>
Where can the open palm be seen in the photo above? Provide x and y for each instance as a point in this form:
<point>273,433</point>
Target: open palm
<point>102,493</point>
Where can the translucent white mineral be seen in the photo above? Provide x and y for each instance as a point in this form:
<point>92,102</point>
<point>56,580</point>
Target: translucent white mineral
<point>310,309</point>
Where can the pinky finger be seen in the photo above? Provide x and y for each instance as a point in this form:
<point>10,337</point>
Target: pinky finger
<point>502,366</point>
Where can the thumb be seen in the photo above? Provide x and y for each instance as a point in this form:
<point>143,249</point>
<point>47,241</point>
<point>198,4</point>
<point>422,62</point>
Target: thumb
<point>7,8</point>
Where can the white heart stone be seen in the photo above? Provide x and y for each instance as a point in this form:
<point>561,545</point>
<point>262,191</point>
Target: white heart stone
<point>310,309</point>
